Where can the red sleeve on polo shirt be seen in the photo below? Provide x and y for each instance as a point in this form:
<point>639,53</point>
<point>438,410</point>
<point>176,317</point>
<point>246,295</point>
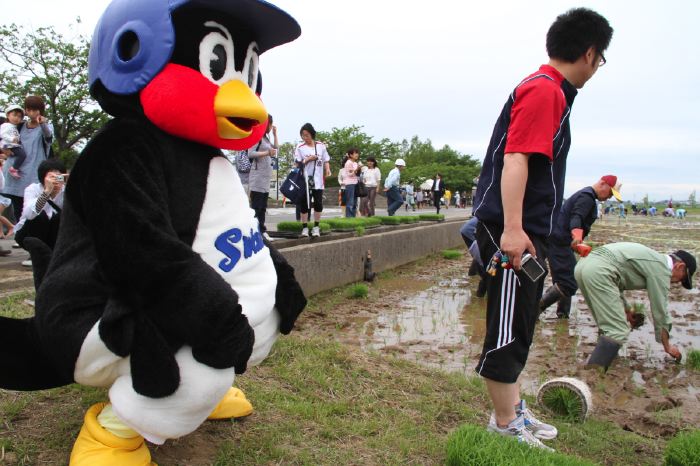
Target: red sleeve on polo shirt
<point>535,117</point>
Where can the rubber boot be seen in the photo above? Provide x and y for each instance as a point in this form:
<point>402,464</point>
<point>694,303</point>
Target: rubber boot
<point>234,404</point>
<point>473,269</point>
<point>604,353</point>
<point>564,307</point>
<point>97,446</point>
<point>551,296</point>
<point>482,288</point>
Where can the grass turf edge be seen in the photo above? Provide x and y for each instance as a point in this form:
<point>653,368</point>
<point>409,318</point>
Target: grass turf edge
<point>473,445</point>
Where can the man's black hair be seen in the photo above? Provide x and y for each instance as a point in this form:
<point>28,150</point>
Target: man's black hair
<point>49,165</point>
<point>575,31</point>
<point>308,127</point>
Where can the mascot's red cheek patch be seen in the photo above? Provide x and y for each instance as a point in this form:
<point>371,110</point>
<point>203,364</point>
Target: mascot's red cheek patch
<point>180,101</point>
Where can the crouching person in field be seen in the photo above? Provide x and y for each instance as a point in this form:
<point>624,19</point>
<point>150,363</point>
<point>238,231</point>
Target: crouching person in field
<point>610,270</point>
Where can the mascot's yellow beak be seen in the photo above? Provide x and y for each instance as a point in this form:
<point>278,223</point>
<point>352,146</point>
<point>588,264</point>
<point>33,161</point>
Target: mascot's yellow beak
<point>237,110</point>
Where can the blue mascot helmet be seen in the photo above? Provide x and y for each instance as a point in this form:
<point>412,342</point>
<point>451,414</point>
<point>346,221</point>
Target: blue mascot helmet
<point>148,24</point>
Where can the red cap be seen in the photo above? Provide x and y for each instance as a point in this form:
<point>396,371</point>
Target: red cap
<point>611,180</point>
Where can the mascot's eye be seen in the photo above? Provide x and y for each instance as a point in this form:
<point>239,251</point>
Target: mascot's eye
<point>216,54</point>
<point>217,62</point>
<point>250,68</point>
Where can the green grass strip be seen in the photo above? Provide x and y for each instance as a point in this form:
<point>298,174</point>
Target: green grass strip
<point>296,227</point>
<point>389,220</point>
<point>350,223</point>
<point>683,450</point>
<point>472,445</point>
<point>434,217</point>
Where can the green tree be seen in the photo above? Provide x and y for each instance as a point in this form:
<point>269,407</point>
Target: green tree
<point>285,157</point>
<point>423,162</point>
<point>691,199</point>
<point>44,62</point>
<point>645,200</point>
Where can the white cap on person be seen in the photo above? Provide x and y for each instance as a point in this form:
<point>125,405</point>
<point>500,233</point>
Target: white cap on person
<point>400,163</point>
<point>12,108</point>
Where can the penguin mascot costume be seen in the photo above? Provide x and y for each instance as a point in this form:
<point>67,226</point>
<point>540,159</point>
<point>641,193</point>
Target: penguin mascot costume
<point>160,287</point>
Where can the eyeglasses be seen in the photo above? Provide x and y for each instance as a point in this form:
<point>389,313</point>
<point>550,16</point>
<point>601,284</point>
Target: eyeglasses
<point>603,61</point>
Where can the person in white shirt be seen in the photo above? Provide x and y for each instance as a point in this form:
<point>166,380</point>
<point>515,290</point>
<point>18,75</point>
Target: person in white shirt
<point>313,156</point>
<point>391,187</point>
<point>42,205</point>
<point>371,176</point>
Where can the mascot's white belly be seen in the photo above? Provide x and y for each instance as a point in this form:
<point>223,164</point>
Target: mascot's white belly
<point>229,241</point>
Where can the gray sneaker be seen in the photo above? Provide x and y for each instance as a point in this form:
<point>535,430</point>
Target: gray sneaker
<point>517,429</point>
<point>538,428</point>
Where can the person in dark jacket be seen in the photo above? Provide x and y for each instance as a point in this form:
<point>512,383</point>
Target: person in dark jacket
<point>577,215</point>
<point>438,191</point>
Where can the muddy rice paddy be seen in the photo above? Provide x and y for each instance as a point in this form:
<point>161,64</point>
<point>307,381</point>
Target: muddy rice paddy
<point>428,313</point>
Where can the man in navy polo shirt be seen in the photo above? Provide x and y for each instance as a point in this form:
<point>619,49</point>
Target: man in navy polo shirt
<point>576,218</point>
<point>518,199</point>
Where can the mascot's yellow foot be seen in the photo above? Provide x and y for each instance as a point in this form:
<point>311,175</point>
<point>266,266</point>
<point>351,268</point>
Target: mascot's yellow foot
<point>96,446</point>
<point>233,404</point>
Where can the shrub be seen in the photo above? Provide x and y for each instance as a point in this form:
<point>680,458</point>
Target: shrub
<point>433,217</point>
<point>358,290</point>
<point>471,445</point>
<point>451,254</point>
<point>693,359</point>
<point>360,230</point>
<point>683,450</point>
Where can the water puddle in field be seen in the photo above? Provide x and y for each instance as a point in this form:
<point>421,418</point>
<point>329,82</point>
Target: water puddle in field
<point>443,327</point>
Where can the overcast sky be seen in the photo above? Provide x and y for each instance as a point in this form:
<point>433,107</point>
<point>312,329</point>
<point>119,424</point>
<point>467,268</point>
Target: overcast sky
<point>443,69</point>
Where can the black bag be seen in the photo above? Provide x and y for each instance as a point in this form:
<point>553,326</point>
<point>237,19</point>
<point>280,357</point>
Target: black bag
<point>361,189</point>
<point>294,186</point>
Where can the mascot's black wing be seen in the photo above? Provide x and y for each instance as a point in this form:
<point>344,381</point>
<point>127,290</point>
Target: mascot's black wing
<point>289,297</point>
<point>23,366</point>
<point>130,181</point>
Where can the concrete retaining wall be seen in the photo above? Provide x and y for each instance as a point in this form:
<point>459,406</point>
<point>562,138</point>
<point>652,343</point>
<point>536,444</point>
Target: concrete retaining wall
<point>325,265</point>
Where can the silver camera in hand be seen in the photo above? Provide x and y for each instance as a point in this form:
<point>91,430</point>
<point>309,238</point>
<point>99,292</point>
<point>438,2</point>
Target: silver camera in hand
<point>531,268</point>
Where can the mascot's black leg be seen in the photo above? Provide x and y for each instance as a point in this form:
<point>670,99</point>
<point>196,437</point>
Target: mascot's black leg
<point>41,255</point>
<point>22,365</point>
